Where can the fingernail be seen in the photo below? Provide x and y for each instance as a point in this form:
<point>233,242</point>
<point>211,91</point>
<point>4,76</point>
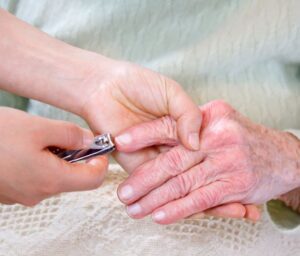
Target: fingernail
<point>194,140</point>
<point>124,139</point>
<point>158,216</point>
<point>95,161</point>
<point>134,209</point>
<point>126,192</point>
<point>88,139</point>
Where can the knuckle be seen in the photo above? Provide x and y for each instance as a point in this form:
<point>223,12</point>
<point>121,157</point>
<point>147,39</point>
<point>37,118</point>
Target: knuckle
<point>200,177</point>
<point>207,200</point>
<point>221,104</point>
<point>169,127</point>
<point>181,186</point>
<point>227,133</point>
<point>196,205</point>
<point>173,162</point>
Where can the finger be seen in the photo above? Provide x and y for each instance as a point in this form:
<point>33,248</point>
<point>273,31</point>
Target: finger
<point>6,200</point>
<point>230,210</point>
<point>130,161</point>
<point>67,135</point>
<point>197,201</point>
<point>82,176</point>
<point>160,131</point>
<point>175,188</point>
<point>187,115</point>
<point>155,172</point>
<point>252,212</point>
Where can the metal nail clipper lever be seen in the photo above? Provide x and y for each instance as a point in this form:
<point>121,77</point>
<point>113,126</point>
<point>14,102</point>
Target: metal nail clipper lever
<point>102,144</point>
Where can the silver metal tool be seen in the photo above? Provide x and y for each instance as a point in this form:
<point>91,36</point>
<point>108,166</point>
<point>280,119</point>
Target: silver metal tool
<point>102,144</point>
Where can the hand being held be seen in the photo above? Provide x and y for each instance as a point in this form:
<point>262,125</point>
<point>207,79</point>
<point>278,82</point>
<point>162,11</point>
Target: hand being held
<point>238,162</point>
<point>29,171</point>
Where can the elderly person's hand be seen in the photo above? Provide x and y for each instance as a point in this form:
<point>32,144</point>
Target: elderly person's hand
<point>29,171</point>
<point>238,161</point>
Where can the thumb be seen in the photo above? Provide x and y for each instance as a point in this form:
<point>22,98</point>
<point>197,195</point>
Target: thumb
<point>187,115</point>
<point>67,135</point>
<point>83,176</point>
<point>160,131</point>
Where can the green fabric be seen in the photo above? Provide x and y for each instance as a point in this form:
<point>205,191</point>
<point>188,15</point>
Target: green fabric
<point>284,217</point>
<point>13,101</point>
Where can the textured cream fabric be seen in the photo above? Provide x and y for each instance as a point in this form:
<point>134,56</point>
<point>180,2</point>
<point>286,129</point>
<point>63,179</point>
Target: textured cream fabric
<point>246,52</point>
<point>95,223</point>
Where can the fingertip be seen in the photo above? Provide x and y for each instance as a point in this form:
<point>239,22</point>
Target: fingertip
<point>233,210</point>
<point>134,211</point>
<point>123,141</point>
<point>237,210</point>
<point>159,217</point>
<point>125,193</point>
<point>190,140</point>
<point>194,141</point>
<point>100,162</point>
<point>252,213</point>
<point>189,130</point>
<point>88,137</point>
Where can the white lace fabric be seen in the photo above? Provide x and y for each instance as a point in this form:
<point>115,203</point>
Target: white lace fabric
<point>95,223</point>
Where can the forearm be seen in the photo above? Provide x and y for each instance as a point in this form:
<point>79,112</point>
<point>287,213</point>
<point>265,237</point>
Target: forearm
<point>34,65</point>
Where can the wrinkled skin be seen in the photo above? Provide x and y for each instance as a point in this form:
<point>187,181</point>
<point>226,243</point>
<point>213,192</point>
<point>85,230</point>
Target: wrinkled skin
<point>126,95</point>
<point>29,171</point>
<point>238,162</point>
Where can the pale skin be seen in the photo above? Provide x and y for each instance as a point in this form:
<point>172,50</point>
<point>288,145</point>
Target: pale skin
<point>110,95</point>
<point>238,162</point>
<point>29,171</point>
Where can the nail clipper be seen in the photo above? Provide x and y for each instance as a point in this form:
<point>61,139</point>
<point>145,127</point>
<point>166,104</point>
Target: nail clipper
<point>102,144</point>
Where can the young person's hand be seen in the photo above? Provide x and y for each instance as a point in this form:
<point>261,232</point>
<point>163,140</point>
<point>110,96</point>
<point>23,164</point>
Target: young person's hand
<point>29,172</point>
<point>110,95</point>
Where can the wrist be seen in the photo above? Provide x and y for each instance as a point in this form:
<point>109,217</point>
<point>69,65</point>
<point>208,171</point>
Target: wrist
<point>37,66</point>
